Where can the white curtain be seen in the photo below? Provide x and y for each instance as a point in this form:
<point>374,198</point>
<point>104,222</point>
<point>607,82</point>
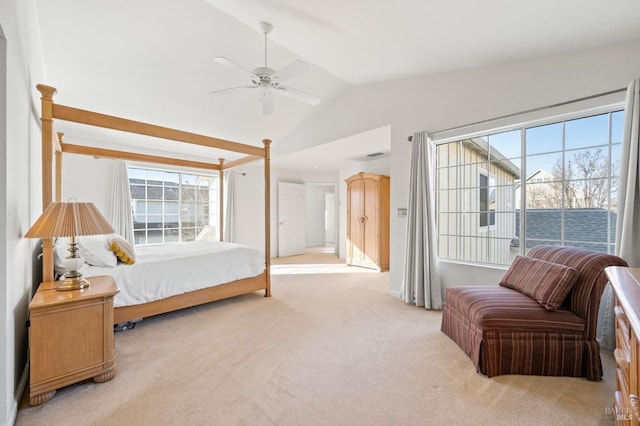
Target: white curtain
<point>121,219</point>
<point>230,208</point>
<point>421,281</point>
<point>628,220</point>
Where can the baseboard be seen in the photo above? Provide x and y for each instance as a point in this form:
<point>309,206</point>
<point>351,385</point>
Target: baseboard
<point>17,397</point>
<point>394,293</point>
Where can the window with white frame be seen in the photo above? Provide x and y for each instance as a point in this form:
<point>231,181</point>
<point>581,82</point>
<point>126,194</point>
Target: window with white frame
<point>500,194</point>
<point>487,200</point>
<point>172,206</point>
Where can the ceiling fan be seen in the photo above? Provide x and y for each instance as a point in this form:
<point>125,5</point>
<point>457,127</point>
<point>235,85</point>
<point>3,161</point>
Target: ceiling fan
<point>267,80</point>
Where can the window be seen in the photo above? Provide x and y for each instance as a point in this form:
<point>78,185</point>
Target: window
<point>487,203</point>
<point>171,206</point>
<point>500,194</point>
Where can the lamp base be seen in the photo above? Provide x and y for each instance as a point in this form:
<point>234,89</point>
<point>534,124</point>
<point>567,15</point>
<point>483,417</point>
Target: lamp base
<point>72,277</point>
<point>72,283</point>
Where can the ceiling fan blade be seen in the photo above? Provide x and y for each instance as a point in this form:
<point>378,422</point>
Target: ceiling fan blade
<point>291,70</point>
<point>231,89</point>
<point>267,102</point>
<point>299,95</point>
<point>229,63</point>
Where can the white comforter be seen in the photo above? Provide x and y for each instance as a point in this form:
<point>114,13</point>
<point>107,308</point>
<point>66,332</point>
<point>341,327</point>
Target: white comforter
<point>166,270</point>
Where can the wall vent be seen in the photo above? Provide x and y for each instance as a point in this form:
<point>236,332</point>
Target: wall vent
<point>375,154</point>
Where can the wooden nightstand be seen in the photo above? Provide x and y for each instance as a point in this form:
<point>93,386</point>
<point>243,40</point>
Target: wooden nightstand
<point>70,337</point>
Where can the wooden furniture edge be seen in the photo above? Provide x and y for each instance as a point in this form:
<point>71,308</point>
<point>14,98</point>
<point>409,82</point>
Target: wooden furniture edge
<point>193,298</point>
<point>621,278</point>
<point>76,115</point>
<point>98,373</point>
<point>625,283</point>
<point>122,155</point>
<point>366,175</point>
<point>267,214</point>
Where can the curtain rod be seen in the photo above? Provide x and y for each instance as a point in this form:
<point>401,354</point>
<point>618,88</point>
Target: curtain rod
<point>586,98</point>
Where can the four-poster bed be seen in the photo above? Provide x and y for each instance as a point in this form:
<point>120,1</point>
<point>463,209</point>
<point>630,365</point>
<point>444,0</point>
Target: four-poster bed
<point>53,149</point>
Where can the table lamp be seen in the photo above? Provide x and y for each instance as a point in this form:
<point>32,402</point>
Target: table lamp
<point>70,219</point>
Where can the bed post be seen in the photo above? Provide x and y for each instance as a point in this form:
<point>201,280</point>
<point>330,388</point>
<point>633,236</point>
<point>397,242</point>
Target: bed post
<point>221,203</point>
<point>46,119</point>
<point>267,214</point>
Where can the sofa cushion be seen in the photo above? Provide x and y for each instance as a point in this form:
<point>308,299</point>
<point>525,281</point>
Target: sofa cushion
<point>493,308</point>
<point>547,282</point>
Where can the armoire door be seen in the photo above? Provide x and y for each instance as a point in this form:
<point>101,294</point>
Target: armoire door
<point>355,242</point>
<point>369,223</point>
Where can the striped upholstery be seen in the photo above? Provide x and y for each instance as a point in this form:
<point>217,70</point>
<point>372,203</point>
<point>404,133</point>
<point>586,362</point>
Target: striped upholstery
<point>547,282</point>
<point>506,332</point>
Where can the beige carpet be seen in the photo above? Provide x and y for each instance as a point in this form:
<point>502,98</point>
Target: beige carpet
<point>329,348</point>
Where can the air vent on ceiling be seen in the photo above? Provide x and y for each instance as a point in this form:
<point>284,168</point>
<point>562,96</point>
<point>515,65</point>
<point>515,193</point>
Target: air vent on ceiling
<point>375,154</point>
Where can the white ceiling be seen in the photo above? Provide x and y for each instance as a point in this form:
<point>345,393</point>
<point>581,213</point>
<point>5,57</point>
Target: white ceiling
<point>363,41</point>
<point>152,60</point>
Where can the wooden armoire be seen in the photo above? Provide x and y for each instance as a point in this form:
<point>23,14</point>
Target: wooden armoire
<point>368,221</point>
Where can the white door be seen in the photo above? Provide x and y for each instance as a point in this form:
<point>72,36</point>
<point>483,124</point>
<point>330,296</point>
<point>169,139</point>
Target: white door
<point>291,237</point>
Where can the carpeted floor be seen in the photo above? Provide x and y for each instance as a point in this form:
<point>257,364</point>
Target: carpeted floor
<point>329,348</point>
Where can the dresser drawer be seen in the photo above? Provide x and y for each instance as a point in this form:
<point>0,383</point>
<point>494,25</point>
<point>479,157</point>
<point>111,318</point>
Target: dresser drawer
<point>623,335</point>
<point>622,368</point>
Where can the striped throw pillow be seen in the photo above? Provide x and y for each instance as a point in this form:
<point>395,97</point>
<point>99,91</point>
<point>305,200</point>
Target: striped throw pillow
<point>547,282</point>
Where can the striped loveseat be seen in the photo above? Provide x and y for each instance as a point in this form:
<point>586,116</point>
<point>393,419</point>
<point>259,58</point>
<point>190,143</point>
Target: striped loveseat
<point>540,320</point>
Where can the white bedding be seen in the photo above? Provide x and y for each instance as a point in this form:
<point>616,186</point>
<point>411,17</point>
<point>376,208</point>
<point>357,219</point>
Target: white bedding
<point>162,271</point>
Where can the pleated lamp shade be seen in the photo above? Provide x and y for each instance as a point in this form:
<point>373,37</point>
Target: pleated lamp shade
<point>70,219</point>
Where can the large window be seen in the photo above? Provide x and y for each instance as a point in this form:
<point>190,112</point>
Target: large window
<point>500,194</point>
<point>173,206</point>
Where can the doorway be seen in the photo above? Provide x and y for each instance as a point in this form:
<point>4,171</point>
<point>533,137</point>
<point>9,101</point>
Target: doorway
<point>321,214</point>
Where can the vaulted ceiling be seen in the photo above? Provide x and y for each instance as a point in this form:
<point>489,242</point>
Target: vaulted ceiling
<point>153,60</point>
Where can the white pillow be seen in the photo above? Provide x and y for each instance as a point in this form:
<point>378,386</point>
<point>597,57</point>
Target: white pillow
<point>96,250</point>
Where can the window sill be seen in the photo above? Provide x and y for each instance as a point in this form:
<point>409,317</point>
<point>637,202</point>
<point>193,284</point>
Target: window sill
<point>474,264</point>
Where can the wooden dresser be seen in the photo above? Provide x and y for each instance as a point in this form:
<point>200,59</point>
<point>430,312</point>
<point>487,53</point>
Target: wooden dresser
<point>368,221</point>
<point>626,286</point>
<point>70,337</point>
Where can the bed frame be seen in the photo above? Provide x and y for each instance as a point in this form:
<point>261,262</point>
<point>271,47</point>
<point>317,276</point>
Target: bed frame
<point>53,147</point>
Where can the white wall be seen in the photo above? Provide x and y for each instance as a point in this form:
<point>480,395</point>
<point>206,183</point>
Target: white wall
<point>452,99</point>
<point>4,305</point>
<point>250,208</point>
<point>88,179</point>
<point>20,184</point>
